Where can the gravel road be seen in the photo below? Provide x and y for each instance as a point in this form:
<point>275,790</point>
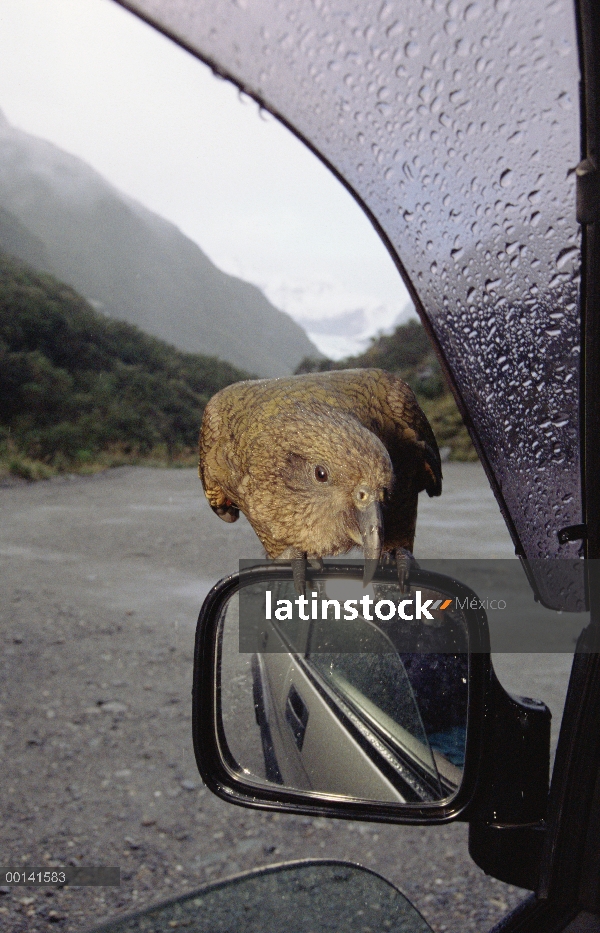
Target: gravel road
<point>102,579</point>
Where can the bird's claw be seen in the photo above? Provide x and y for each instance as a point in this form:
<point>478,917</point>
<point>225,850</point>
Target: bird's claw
<point>404,559</point>
<point>403,572</point>
<point>299,574</point>
<point>298,561</point>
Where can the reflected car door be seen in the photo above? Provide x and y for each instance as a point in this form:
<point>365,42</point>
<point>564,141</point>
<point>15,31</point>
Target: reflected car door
<point>347,722</point>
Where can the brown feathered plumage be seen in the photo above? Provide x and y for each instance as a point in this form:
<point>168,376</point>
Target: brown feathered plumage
<point>316,461</point>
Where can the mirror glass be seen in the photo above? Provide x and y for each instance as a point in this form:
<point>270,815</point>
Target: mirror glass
<point>352,692</point>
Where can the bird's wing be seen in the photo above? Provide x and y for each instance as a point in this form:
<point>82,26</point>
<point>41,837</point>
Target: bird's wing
<point>213,464</point>
<point>412,427</point>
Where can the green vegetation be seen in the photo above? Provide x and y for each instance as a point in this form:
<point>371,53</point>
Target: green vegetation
<point>408,353</point>
<point>80,392</point>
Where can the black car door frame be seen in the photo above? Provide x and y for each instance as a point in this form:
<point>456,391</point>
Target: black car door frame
<point>568,896</point>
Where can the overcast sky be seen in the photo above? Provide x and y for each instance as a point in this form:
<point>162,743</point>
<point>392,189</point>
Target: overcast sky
<point>154,121</point>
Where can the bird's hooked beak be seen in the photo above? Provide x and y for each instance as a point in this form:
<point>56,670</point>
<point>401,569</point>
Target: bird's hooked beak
<point>370,524</point>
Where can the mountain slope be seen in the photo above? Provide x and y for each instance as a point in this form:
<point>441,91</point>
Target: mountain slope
<point>75,385</point>
<point>132,264</point>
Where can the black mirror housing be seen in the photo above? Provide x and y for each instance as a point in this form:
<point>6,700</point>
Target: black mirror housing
<point>507,819</point>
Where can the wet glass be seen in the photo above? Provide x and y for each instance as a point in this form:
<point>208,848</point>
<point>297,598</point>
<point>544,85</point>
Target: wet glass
<point>306,897</point>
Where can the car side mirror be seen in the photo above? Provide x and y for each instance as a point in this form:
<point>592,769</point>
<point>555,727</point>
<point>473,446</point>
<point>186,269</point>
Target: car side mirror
<point>347,702</point>
<point>378,704</point>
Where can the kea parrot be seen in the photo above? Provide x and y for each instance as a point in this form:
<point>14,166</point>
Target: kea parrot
<point>320,463</point>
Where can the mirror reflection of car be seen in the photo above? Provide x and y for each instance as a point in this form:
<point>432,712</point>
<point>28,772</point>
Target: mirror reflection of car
<point>350,723</point>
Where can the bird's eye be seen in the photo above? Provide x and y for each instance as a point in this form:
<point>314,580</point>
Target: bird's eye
<point>321,474</point>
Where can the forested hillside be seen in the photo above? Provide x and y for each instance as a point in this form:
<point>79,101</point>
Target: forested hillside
<point>408,353</point>
<point>79,390</point>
